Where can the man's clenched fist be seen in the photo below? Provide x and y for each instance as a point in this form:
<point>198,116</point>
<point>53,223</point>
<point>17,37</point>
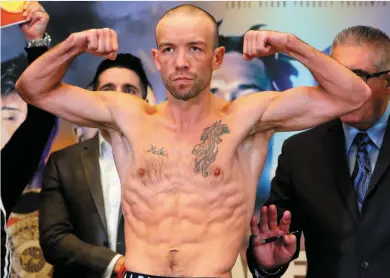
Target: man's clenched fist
<point>100,42</point>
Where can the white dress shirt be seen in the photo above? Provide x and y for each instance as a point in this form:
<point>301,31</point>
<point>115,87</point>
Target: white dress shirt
<point>111,188</point>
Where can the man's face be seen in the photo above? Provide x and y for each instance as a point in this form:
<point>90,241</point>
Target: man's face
<point>237,77</point>
<point>120,80</point>
<point>362,59</point>
<point>13,113</point>
<point>185,54</point>
<point>112,79</point>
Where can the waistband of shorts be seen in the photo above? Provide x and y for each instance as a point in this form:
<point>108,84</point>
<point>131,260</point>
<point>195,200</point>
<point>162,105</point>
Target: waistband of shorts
<point>131,274</point>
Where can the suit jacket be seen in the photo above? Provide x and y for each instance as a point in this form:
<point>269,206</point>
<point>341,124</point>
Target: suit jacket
<point>72,221</point>
<point>312,180</point>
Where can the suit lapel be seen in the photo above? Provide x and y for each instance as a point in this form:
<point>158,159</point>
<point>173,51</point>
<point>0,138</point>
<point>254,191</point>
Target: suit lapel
<point>383,161</point>
<point>90,159</point>
<point>334,145</point>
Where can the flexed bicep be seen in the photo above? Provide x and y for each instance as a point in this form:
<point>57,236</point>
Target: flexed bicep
<point>41,85</point>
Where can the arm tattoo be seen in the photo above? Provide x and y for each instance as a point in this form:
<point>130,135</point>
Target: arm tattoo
<point>206,151</point>
<point>154,150</point>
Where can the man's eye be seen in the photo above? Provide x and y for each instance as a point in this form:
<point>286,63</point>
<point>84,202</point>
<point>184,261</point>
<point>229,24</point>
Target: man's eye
<point>167,50</point>
<point>194,48</point>
<point>129,90</point>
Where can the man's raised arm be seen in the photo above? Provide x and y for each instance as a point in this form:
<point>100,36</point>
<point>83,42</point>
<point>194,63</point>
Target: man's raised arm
<point>41,84</point>
<point>339,92</point>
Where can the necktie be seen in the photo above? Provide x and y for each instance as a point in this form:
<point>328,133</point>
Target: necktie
<point>362,172</point>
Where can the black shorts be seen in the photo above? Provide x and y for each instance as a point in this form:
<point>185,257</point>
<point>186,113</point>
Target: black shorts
<point>130,274</point>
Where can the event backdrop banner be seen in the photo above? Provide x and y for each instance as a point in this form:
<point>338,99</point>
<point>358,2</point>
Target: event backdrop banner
<point>316,23</point>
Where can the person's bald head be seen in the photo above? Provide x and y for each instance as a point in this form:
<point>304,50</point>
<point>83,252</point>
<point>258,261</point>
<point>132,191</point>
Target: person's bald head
<point>187,52</point>
<point>189,11</point>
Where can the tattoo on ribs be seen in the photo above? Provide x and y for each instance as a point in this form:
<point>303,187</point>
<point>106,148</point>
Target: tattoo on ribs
<point>207,150</point>
<point>153,149</point>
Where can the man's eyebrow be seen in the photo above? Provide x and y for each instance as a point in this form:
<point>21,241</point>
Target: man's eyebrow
<point>197,42</point>
<point>168,44</point>
<point>165,44</point>
<point>106,85</point>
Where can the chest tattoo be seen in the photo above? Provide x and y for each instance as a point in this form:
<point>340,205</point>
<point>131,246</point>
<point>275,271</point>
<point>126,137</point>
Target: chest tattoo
<point>206,151</point>
<point>154,150</point>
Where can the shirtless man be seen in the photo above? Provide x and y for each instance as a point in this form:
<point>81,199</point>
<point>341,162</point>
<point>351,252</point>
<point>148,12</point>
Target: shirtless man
<point>189,166</point>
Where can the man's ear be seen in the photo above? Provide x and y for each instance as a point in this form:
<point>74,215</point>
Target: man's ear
<point>219,53</point>
<point>156,58</point>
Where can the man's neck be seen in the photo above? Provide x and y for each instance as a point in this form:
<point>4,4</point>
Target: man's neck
<point>184,114</point>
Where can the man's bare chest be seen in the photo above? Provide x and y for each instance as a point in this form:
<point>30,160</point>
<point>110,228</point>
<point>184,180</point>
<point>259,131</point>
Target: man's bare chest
<point>200,154</point>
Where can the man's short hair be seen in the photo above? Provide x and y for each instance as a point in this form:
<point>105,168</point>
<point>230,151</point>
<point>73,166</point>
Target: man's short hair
<point>192,9</point>
<point>126,61</point>
<point>11,70</point>
<point>366,35</point>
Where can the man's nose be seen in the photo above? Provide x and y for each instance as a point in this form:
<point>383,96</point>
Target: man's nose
<point>182,61</point>
<point>119,89</point>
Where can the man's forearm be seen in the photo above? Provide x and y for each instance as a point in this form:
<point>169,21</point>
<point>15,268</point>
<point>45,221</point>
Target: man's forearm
<point>42,76</point>
<point>336,80</point>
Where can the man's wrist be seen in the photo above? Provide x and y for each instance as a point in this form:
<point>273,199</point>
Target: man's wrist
<point>44,40</point>
<point>271,271</point>
<point>37,37</point>
<point>109,272</point>
<point>260,272</point>
<point>73,50</point>
<point>290,44</point>
<point>119,265</point>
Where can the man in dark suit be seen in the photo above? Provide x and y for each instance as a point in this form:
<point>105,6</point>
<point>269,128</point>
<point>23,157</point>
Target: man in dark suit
<point>333,182</point>
<point>81,223</point>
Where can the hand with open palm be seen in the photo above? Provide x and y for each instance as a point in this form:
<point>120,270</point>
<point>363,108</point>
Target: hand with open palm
<point>274,254</point>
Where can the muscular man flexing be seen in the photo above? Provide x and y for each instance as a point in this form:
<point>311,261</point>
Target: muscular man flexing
<point>189,166</point>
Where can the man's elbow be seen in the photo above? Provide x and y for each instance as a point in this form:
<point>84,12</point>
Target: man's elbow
<point>49,253</point>
<point>50,256</point>
<point>31,90</point>
<point>361,96</point>
<point>25,90</point>
<point>50,245</point>
<point>19,87</point>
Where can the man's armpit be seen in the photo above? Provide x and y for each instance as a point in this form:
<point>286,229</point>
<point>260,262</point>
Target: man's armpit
<point>260,126</point>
